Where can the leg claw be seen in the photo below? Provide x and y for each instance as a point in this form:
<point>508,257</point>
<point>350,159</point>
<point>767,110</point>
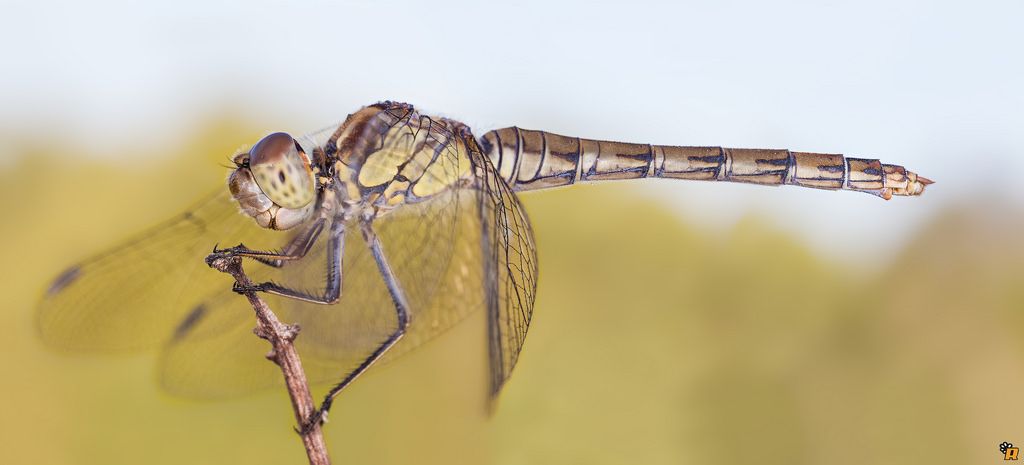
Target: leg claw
<point>230,250</point>
<point>318,418</point>
<point>240,289</point>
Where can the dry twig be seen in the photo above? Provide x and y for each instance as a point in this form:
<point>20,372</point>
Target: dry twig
<point>281,337</point>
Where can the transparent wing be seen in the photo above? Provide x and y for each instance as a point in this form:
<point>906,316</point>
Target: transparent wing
<point>216,359</point>
<point>465,248</point>
<point>509,268</point>
<point>137,294</point>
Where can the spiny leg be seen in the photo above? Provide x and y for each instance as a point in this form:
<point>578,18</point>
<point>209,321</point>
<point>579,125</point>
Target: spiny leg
<point>401,309</point>
<point>297,248</point>
<point>332,290</point>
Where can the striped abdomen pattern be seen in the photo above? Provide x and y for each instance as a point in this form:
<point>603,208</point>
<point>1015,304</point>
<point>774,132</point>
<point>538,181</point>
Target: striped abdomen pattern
<point>529,159</point>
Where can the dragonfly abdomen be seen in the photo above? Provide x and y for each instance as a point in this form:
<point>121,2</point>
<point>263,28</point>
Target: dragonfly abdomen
<point>528,159</point>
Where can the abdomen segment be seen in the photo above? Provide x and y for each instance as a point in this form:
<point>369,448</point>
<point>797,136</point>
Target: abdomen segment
<point>529,160</point>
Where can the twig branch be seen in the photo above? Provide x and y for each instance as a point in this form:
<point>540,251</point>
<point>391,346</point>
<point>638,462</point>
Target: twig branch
<point>281,337</point>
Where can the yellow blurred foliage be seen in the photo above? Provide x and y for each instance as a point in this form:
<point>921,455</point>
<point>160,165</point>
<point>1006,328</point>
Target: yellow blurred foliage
<point>653,342</point>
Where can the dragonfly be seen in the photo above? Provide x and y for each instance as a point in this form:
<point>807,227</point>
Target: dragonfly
<point>375,236</point>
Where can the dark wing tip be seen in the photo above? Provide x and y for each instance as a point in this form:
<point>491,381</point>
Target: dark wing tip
<point>64,280</point>
<point>189,322</point>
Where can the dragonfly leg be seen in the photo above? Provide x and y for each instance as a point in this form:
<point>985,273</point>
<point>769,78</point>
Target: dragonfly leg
<point>401,309</point>
<point>297,248</point>
<point>332,291</point>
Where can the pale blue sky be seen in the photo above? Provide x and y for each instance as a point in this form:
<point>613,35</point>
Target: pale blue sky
<point>925,84</point>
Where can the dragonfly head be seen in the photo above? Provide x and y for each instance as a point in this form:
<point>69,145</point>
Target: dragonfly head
<point>274,182</point>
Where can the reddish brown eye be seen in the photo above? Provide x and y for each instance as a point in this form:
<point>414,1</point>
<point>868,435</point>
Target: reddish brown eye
<point>274,156</point>
<point>272,149</point>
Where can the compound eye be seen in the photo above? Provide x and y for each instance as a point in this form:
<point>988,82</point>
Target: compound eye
<point>282,171</point>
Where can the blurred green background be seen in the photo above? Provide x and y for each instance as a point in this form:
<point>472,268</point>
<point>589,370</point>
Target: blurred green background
<point>675,322</point>
<point>653,341</point>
